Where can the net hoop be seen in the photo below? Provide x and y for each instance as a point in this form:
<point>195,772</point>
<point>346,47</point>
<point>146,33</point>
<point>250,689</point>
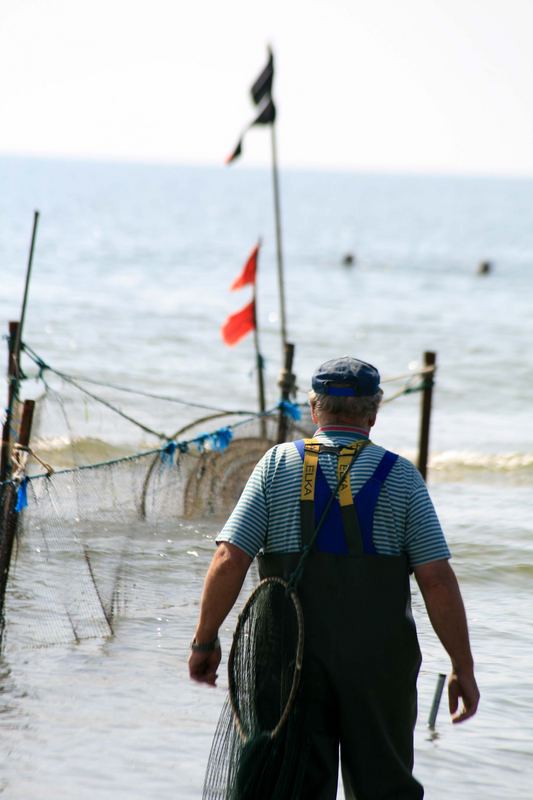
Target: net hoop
<point>243,617</point>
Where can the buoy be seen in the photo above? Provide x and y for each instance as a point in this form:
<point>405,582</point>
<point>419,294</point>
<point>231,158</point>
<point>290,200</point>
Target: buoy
<point>484,268</point>
<point>348,259</point>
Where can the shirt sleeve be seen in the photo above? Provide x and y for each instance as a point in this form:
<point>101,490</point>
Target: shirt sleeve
<point>248,522</point>
<point>424,537</point>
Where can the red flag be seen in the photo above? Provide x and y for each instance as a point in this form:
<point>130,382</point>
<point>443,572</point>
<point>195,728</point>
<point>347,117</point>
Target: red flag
<point>248,273</point>
<point>239,324</point>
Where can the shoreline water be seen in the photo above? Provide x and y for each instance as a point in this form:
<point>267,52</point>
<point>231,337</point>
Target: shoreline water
<point>131,276</point>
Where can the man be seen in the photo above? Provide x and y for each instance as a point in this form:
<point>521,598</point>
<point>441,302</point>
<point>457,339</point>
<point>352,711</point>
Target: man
<point>361,655</point>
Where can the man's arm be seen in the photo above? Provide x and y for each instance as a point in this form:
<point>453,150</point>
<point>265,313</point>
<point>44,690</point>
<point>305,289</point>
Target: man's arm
<point>222,585</point>
<point>445,608</point>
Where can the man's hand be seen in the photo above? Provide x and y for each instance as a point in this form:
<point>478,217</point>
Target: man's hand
<point>462,686</point>
<point>444,604</point>
<point>222,585</point>
<point>203,666</point>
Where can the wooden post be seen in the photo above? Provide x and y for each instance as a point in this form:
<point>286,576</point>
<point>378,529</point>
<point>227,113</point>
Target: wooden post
<point>286,384</point>
<point>430,360</point>
<point>8,501</point>
<point>436,700</point>
<point>261,392</point>
<point>5,459</point>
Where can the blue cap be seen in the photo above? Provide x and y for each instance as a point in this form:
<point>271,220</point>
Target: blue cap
<point>346,377</point>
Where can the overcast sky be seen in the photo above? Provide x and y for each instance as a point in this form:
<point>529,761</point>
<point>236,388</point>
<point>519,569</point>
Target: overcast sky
<point>403,85</point>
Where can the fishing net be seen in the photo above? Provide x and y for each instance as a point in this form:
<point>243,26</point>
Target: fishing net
<point>254,753</point>
<point>96,507</point>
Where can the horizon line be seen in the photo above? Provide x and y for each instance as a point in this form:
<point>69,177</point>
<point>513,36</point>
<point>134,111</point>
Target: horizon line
<point>372,170</point>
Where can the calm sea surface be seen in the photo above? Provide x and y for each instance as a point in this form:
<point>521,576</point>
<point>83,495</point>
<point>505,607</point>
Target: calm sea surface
<point>130,286</point>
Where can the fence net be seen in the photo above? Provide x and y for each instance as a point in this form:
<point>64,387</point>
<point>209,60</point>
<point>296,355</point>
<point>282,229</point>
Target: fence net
<point>90,501</point>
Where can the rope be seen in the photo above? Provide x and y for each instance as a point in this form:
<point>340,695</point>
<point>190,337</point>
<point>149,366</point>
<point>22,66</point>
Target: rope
<point>19,458</point>
<point>219,440</point>
<point>422,371</point>
<point>74,379</point>
<point>405,390</point>
<point>298,570</point>
<point>49,470</point>
<point>111,462</point>
<point>107,404</point>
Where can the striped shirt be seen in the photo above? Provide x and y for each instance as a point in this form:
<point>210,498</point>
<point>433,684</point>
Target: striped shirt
<point>267,515</point>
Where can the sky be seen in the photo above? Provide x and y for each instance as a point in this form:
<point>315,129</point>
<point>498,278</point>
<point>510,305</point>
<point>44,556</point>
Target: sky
<point>438,86</point>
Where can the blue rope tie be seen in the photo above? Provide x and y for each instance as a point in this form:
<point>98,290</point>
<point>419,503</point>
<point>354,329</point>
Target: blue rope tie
<point>218,440</point>
<point>22,495</point>
<point>290,410</point>
<point>167,453</point>
<point>221,439</point>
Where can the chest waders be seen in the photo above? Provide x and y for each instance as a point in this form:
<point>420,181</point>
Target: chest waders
<point>361,654</point>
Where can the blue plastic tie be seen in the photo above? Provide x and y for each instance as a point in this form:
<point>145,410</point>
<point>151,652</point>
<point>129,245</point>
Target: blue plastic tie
<point>22,495</point>
<point>167,453</point>
<point>221,439</point>
<point>200,441</point>
<point>290,409</point>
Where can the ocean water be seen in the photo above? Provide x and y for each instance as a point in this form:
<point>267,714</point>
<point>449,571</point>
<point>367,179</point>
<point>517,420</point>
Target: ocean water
<point>130,286</point>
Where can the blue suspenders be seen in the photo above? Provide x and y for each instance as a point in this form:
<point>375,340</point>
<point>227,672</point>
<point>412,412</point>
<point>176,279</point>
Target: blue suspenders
<point>332,537</point>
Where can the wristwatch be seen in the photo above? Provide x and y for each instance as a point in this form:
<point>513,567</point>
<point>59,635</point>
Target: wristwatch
<point>205,647</point>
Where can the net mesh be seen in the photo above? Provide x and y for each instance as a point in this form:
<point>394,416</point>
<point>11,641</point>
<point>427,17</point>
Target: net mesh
<point>258,749</point>
<point>79,542</point>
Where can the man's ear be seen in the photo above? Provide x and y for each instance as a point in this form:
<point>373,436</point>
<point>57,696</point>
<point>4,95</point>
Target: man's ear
<point>372,420</point>
<point>313,413</point>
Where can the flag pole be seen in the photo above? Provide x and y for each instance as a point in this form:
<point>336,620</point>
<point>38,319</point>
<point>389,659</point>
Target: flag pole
<point>260,367</point>
<point>14,371</point>
<point>279,249</point>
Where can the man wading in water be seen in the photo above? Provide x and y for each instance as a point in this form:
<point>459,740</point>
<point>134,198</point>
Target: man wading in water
<point>361,654</point>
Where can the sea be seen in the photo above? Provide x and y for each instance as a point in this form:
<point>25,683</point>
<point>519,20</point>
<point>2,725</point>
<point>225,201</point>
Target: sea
<point>129,287</point>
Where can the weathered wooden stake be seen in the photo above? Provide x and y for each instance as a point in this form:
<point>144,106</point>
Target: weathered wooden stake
<point>436,700</point>
<point>430,360</point>
<point>286,384</point>
<point>8,501</point>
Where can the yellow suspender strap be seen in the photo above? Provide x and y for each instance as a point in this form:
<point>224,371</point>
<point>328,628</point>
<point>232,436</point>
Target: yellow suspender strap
<point>307,492</point>
<point>346,456</point>
<point>311,450</point>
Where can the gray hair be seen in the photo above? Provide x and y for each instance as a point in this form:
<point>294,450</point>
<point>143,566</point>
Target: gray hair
<point>346,407</point>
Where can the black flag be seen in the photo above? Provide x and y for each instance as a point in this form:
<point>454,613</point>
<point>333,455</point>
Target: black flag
<point>267,114</point>
<point>236,152</point>
<point>262,96</point>
<point>263,85</point>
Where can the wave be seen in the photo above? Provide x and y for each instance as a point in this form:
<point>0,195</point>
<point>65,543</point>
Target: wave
<point>64,452</point>
<point>452,462</point>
